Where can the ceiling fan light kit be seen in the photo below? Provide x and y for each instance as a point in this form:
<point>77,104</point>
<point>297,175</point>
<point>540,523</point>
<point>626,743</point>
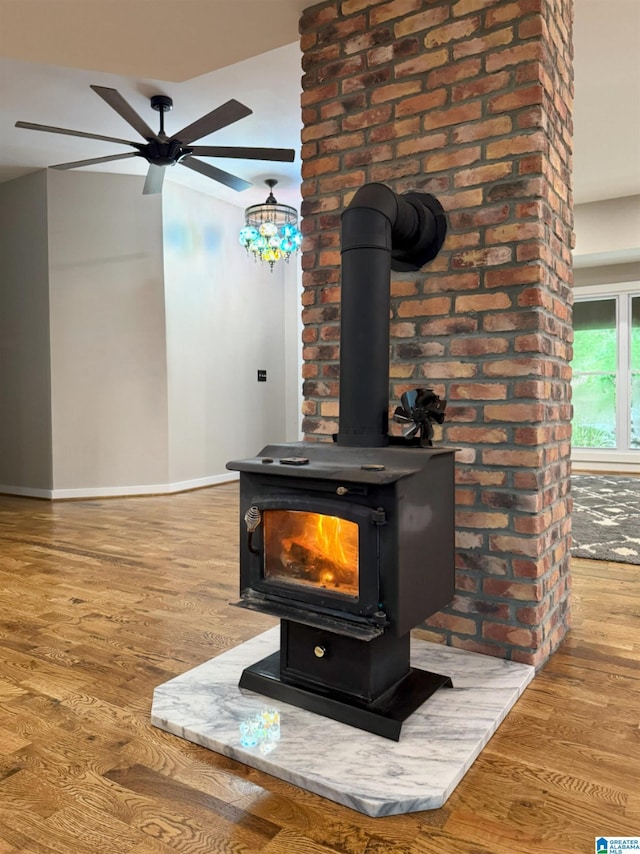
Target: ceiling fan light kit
<point>271,230</point>
<point>160,150</point>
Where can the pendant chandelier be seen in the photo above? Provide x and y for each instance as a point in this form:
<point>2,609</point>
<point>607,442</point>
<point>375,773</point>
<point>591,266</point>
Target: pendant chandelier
<point>271,230</point>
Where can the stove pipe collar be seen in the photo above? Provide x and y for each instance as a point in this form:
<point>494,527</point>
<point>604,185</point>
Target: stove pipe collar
<point>417,220</point>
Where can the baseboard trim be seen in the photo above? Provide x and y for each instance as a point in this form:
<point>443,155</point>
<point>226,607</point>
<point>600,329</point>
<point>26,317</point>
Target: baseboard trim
<point>119,491</point>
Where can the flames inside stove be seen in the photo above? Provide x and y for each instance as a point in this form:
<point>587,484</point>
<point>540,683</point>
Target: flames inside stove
<point>312,549</point>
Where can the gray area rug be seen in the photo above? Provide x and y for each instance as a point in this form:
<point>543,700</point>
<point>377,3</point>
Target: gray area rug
<point>606,517</point>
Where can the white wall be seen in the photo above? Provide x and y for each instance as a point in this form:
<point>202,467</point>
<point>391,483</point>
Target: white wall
<point>225,320</point>
<point>108,355</point>
<point>131,331</point>
<point>25,393</point>
<point>607,232</point>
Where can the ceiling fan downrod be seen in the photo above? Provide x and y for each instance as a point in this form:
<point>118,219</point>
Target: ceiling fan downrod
<point>162,104</point>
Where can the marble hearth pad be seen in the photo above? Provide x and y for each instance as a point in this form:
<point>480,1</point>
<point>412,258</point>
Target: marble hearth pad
<point>366,772</point>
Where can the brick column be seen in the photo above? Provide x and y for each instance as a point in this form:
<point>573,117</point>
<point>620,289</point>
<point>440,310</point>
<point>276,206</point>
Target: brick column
<point>469,100</point>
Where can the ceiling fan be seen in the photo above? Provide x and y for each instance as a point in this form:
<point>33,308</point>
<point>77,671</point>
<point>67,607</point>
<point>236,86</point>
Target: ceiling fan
<point>161,150</point>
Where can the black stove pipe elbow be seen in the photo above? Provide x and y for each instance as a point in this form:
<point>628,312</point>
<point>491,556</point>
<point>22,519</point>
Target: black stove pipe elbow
<point>381,231</point>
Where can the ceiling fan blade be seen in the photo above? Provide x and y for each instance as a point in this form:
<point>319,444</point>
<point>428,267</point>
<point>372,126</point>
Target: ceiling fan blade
<point>285,154</point>
<point>217,174</point>
<point>222,116</point>
<point>94,160</point>
<point>124,109</point>
<point>154,180</point>
<point>51,129</point>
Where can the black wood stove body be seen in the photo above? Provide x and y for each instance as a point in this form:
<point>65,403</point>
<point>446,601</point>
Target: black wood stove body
<point>351,544</point>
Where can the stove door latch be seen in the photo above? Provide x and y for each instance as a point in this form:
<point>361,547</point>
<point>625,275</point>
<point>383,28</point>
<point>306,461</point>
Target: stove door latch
<point>378,516</point>
<point>252,519</point>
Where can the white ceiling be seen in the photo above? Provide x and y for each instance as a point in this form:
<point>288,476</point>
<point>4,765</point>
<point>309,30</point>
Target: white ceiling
<point>51,50</point>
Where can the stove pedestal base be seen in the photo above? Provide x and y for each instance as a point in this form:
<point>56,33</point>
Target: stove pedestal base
<point>382,717</point>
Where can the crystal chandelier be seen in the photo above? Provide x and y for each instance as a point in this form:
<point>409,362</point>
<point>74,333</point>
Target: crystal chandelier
<point>271,230</point>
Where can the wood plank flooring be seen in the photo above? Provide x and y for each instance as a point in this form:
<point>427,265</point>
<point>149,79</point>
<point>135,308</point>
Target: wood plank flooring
<point>100,601</point>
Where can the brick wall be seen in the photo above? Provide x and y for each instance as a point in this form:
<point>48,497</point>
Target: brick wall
<point>469,100</point>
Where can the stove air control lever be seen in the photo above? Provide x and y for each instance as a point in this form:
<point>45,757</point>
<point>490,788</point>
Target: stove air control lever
<point>319,651</point>
<point>252,519</point>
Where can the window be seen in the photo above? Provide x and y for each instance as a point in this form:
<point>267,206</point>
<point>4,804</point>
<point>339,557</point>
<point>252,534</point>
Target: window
<point>606,372</point>
<point>595,375</point>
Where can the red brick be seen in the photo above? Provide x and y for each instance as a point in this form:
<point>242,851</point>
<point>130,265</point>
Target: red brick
<point>341,142</point>
<point>449,326</point>
<point>422,21</point>
<point>451,159</point>
<point>464,7</point>
<point>447,370</point>
<point>451,282</point>
<point>319,93</point>
<point>511,635</point>
<point>394,91</point>
<point>314,18</point>
<point>394,130</point>
<point>403,330</point>
<point>393,171</point>
<point>452,116</point>
<point>367,40</point>
<point>421,103</point>
<point>319,130</point>
<point>511,11</point>
<point>329,408</point>
<point>321,166</point>
<point>453,73</point>
<point>451,32</point>
<point>514,55</point>
<point>517,145</point>
<point>482,174</point>
<point>425,307</point>
<point>350,7</point>
<point>395,9</point>
<point>511,321</point>
<point>343,68</point>
<point>478,346</point>
<point>482,302</point>
<point>460,625</point>
<point>482,257</point>
<point>475,435</point>
<point>479,86</point>
<point>370,80</point>
<point>422,63</point>
<point>483,477</point>
<point>366,119</point>
<point>478,391</point>
<point>482,130</point>
<point>514,276</point>
<point>425,142</point>
<point>516,99</point>
<point>510,589</point>
<point>483,44</point>
<point>514,412</point>
<point>404,288</point>
<point>515,232</point>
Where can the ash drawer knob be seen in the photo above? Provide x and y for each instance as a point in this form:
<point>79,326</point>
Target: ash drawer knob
<point>342,490</point>
<point>319,651</point>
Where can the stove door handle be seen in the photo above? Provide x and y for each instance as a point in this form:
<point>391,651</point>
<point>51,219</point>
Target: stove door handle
<point>252,519</point>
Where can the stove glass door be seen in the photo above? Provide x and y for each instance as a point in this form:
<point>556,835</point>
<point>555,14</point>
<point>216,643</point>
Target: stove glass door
<point>312,549</point>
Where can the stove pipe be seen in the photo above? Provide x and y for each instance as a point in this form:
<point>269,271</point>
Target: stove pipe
<point>381,231</point>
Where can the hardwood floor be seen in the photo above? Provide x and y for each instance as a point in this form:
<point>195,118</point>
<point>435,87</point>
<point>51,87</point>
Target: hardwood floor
<point>100,601</point>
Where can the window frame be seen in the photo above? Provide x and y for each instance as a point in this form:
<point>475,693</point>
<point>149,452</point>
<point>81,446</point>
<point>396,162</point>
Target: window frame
<point>622,457</point>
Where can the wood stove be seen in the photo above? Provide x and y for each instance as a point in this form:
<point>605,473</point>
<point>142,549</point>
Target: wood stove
<point>351,544</point>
